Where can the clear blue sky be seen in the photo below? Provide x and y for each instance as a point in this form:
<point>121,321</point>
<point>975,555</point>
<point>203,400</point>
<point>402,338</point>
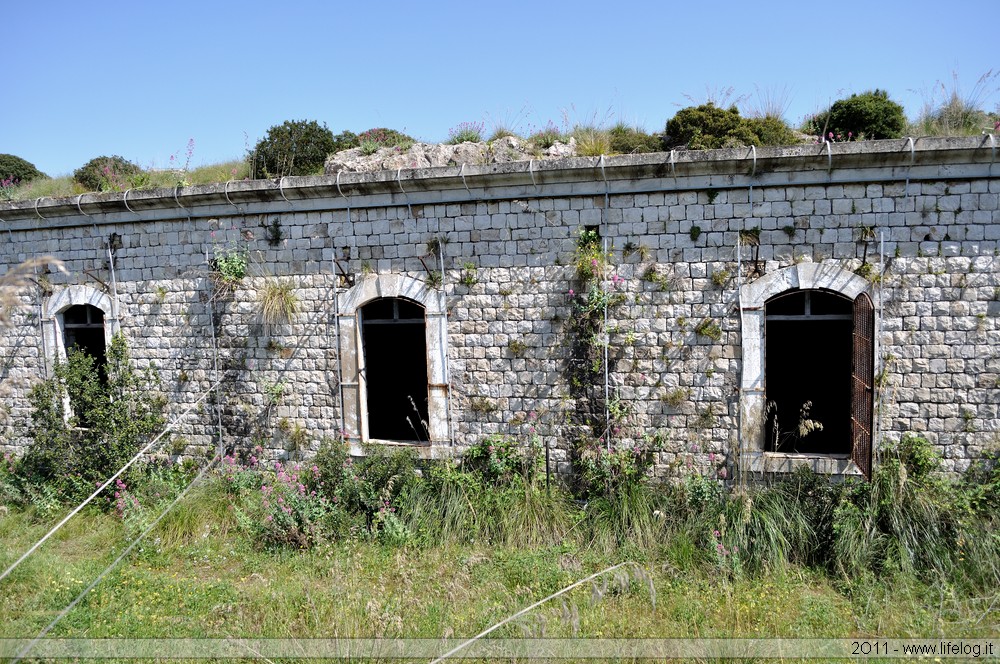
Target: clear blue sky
<point>139,79</point>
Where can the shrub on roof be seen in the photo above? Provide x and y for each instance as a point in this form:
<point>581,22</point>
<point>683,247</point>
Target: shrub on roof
<point>295,147</point>
<point>106,173</point>
<point>18,170</point>
<point>870,115</point>
<point>379,137</point>
<point>709,127</point>
<point>629,140</point>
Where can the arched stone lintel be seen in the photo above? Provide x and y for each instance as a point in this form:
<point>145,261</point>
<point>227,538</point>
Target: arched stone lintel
<point>54,334</point>
<point>354,398</point>
<point>804,276</point>
<point>753,296</point>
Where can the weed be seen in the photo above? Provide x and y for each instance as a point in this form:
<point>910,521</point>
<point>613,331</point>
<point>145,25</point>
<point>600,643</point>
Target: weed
<point>591,141</point>
<point>275,234</point>
<point>675,397</point>
<point>277,301</point>
<point>466,132</point>
<point>481,405</point>
<point>517,347</point>
<point>720,278</point>
<point>695,233</point>
<point>469,277</point>
<point>546,137</point>
<point>709,328</point>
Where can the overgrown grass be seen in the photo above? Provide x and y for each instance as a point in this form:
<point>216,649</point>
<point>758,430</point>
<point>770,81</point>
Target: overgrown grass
<point>912,554</point>
<point>205,579</point>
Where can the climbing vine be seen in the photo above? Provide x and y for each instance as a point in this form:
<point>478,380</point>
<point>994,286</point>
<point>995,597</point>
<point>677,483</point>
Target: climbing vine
<point>596,287</point>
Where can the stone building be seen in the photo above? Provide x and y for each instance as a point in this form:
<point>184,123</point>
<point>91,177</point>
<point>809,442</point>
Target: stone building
<point>732,310</point>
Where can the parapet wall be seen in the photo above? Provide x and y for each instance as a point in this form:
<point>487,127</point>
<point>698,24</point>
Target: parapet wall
<point>503,353</point>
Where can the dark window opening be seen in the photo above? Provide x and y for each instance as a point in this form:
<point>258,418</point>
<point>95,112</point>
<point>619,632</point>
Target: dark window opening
<point>395,352</point>
<point>808,350</point>
<point>83,329</point>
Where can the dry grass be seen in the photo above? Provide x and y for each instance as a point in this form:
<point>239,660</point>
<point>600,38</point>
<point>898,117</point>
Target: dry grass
<point>66,186</point>
<point>18,279</point>
<point>277,301</point>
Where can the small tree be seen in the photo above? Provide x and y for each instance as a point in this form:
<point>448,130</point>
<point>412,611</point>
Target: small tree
<point>115,410</point>
<point>296,147</point>
<point>870,115</point>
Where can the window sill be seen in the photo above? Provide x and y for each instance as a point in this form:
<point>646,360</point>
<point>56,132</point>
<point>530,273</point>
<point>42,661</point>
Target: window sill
<point>423,449</point>
<point>788,462</point>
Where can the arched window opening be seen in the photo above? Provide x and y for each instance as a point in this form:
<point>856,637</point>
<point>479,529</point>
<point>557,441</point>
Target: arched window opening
<point>83,329</point>
<point>393,336</point>
<point>808,350</point>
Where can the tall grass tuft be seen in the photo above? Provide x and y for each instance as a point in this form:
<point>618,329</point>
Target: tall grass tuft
<point>954,112</point>
<point>591,141</point>
<point>277,301</point>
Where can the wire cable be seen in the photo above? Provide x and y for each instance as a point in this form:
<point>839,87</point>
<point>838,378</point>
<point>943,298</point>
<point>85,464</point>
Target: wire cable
<point>114,563</point>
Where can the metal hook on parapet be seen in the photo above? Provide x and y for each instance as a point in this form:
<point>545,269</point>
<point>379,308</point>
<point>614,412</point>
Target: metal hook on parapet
<point>78,199</point>
<point>753,152</point>
<point>406,197</point>
<point>125,201</point>
<point>281,189</point>
<point>673,164</point>
<point>225,190</point>
<point>348,200</point>
<point>607,189</point>
<point>177,202</point>
<point>993,148</point>
<point>829,155</point>
<point>531,172</point>
<point>39,214</point>
<point>461,172</point>
<point>913,157</point>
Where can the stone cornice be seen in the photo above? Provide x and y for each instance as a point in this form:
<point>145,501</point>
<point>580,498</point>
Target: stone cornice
<point>869,161</point>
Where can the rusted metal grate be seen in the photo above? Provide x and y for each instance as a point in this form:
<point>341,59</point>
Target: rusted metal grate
<point>862,377</point>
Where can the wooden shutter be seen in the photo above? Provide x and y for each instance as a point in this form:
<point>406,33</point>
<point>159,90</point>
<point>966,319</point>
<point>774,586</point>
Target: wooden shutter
<point>862,377</point>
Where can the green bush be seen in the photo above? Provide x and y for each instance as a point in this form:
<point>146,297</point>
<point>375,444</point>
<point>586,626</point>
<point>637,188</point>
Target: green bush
<point>629,140</point>
<point>115,410</point>
<point>870,115</point>
<point>108,174</point>
<point>708,127</point>
<point>772,131</point>
<point>501,461</point>
<point>370,486</point>
<point>17,170</point>
<point>296,147</point>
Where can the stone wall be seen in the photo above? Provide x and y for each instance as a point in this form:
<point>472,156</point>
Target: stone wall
<point>692,241</point>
